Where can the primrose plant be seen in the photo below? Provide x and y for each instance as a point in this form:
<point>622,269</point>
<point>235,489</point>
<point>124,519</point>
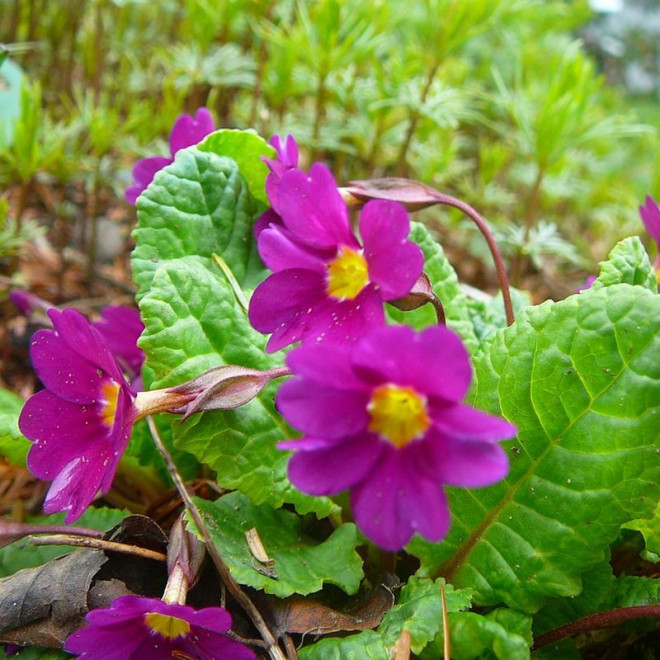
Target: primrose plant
<point>368,426</point>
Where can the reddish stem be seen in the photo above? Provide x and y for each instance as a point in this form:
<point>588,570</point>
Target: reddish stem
<point>502,277</point>
<point>596,621</point>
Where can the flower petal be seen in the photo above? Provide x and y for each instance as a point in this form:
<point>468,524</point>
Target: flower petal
<point>329,364</point>
<point>434,361</point>
<point>650,213</point>
<point>188,130</point>
<point>331,470</point>
<point>280,251</point>
<point>395,501</point>
<point>323,411</point>
<point>144,172</point>
<point>312,208</point>
<point>465,463</point>
<point>467,423</point>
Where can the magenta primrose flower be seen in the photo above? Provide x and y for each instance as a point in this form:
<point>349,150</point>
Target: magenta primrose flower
<point>383,418</point>
<point>138,628</point>
<point>187,130</point>
<point>81,422</point>
<point>650,213</point>
<point>325,284</point>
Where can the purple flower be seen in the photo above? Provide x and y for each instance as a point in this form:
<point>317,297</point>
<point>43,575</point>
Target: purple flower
<point>650,213</point>
<point>187,130</point>
<point>325,284</point>
<point>588,283</point>
<point>81,422</point>
<point>121,327</point>
<point>138,628</point>
<point>383,417</point>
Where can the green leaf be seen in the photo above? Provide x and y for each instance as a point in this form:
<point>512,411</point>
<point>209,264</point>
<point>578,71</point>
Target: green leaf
<point>199,205</point>
<point>489,316</point>
<point>302,565</point>
<point>445,285</point>
<point>14,446</point>
<point>192,324</point>
<point>419,610</point>
<point>649,528</point>
<point>581,379</point>
<point>632,591</point>
<point>627,263</point>
<point>368,645</point>
<point>503,633</point>
<point>245,148</point>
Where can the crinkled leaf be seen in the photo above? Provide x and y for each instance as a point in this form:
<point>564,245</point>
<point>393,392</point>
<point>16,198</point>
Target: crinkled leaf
<point>649,528</point>
<point>488,315</point>
<point>302,565</point>
<point>14,446</point>
<point>419,610</point>
<point>245,148</point>
<point>368,645</point>
<point>445,285</point>
<point>627,263</point>
<point>581,379</point>
<point>632,591</point>
<point>597,594</point>
<point>503,634</point>
<point>193,323</point>
<point>199,205</point>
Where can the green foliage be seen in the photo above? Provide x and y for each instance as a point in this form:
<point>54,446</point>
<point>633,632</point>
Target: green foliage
<point>301,564</point>
<point>627,263</point>
<point>13,445</point>
<point>580,378</point>
<point>11,77</point>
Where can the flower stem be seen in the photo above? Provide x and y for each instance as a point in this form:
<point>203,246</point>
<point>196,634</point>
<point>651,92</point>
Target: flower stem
<point>596,621</point>
<point>234,588</point>
<point>482,225</point>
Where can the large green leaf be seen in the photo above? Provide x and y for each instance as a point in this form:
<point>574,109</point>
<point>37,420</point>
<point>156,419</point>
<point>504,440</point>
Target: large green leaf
<point>199,205</point>
<point>581,379</point>
<point>192,324</point>
<point>301,564</point>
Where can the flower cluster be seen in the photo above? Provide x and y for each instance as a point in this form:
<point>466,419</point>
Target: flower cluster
<point>379,406</point>
<point>81,422</point>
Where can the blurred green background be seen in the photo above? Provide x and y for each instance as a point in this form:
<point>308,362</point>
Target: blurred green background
<point>541,114</point>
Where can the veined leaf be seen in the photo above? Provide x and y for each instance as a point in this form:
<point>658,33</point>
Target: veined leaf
<point>627,263</point>
<point>199,205</point>
<point>581,379</point>
<point>193,323</point>
<point>300,565</point>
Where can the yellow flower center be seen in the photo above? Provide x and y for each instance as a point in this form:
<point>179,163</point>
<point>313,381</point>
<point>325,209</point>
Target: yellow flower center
<point>347,274</point>
<point>398,414</point>
<point>167,626</point>
<point>109,397</point>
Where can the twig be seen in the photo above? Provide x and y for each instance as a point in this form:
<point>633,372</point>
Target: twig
<point>242,599</point>
<point>97,544</point>
<point>446,641</point>
<point>596,621</point>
